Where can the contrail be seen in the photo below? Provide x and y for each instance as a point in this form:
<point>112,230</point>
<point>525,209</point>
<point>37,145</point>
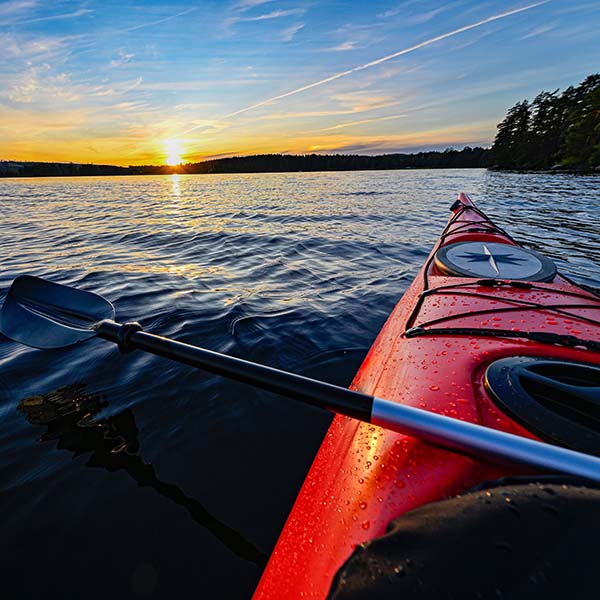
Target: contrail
<point>378,61</point>
<point>168,18</point>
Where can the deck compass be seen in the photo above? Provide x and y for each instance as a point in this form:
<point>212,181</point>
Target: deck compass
<point>492,259</point>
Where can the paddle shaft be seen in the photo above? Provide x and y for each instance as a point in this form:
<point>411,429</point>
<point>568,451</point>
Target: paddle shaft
<point>468,438</point>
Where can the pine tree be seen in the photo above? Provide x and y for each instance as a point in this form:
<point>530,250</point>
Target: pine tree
<point>582,139</point>
<point>547,123</point>
<point>511,145</point>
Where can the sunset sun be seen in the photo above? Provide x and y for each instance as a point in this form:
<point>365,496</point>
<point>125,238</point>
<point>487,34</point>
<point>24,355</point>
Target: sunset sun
<point>173,151</point>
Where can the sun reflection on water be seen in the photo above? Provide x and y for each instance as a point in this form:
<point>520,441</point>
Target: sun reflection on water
<point>176,191</point>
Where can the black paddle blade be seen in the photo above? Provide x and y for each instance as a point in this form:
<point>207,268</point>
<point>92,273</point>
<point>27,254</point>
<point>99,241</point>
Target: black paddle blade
<point>43,314</point>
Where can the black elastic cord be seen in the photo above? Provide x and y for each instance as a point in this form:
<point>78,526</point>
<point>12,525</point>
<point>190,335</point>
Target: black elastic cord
<point>454,289</point>
<point>543,337</point>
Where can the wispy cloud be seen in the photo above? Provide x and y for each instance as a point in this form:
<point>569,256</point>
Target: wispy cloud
<point>13,7</point>
<point>426,16</point>
<point>40,84</point>
<point>71,15</point>
<point>288,34</point>
<point>578,7</point>
<point>247,4</point>
<point>27,49</point>
<point>200,84</point>
<point>117,89</point>
<point>360,122</point>
<point>302,114</point>
<point>341,47</point>
<point>351,103</point>
<point>275,14</point>
<point>456,135</point>
<point>36,82</point>
<point>363,100</point>
<point>384,59</point>
<point>123,59</point>
<point>392,12</point>
<point>241,10</point>
<point>537,31</point>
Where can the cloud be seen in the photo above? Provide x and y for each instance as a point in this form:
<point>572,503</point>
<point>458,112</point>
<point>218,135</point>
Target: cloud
<point>131,105</point>
<point>363,100</point>
<point>243,7</point>
<point>118,89</point>
<point>23,88</point>
<point>455,135</point>
<point>361,122</point>
<point>124,58</point>
<point>77,13</point>
<point>201,84</point>
<point>420,18</point>
<point>307,114</point>
<point>392,12</point>
<point>27,49</point>
<point>247,4</point>
<point>384,59</point>
<point>40,83</point>
<point>350,103</point>
<point>276,14</point>
<point>540,30</point>
<point>577,8</point>
<point>341,47</point>
<point>288,34</point>
<point>15,7</point>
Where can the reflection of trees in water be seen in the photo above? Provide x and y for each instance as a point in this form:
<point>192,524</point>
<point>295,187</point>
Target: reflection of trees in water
<point>68,414</point>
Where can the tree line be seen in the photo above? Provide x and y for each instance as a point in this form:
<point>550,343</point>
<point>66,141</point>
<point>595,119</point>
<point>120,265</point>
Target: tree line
<point>266,163</point>
<point>555,130</point>
<point>277,163</point>
<point>52,169</point>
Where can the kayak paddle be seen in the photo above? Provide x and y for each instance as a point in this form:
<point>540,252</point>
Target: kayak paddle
<point>43,314</point>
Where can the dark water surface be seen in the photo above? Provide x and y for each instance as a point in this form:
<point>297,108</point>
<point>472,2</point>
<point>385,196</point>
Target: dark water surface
<point>131,476</point>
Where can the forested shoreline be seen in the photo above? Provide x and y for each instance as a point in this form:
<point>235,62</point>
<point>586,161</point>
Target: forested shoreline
<point>554,131</point>
<point>264,163</point>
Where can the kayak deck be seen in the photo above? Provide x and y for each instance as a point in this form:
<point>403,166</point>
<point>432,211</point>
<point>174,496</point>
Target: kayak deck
<point>363,476</point>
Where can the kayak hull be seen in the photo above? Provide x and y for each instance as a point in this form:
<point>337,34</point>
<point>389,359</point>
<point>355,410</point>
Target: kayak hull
<point>363,477</point>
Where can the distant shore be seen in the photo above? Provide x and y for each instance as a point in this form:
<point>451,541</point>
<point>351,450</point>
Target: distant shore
<point>263,163</point>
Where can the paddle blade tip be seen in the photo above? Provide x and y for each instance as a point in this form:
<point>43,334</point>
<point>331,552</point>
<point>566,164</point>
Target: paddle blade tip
<point>43,314</point>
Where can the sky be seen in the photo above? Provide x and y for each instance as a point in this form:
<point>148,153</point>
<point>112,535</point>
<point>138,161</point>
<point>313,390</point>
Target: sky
<point>156,82</point>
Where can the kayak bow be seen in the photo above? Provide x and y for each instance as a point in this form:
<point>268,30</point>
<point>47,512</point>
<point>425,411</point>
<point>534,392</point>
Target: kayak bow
<point>487,333</point>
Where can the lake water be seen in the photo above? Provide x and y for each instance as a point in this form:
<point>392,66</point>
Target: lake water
<point>130,476</point>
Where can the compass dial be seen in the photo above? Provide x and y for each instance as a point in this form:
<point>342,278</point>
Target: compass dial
<point>494,260</point>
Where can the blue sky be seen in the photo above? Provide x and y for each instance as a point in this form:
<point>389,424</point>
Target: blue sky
<point>139,82</point>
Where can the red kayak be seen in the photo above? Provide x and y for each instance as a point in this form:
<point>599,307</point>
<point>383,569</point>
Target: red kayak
<point>489,333</point>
